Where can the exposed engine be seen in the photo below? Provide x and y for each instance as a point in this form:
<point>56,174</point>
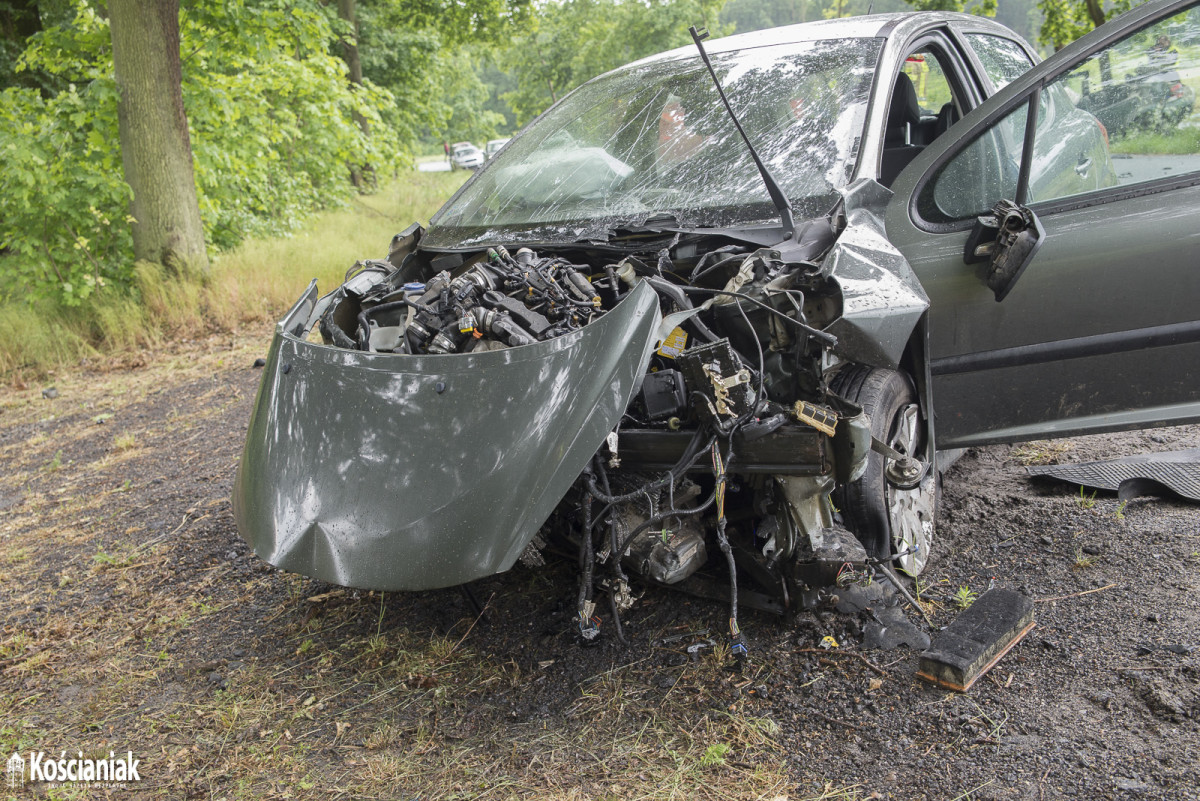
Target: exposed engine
<point>725,457</point>
<point>500,301</point>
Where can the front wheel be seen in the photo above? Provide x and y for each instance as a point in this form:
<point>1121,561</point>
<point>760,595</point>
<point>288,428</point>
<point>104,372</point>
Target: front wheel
<point>887,520</point>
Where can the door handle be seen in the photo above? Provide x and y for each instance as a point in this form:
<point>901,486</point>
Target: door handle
<point>1082,168</point>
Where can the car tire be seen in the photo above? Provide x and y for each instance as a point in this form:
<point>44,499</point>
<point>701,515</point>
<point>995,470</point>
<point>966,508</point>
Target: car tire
<point>886,519</point>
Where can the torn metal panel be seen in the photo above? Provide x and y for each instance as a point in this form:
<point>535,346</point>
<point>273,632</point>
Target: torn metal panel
<point>420,471</point>
<point>1176,472</point>
<point>882,301</point>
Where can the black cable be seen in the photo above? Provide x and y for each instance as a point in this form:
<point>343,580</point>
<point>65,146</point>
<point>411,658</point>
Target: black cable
<point>612,604</point>
<point>661,516</point>
<point>612,525</point>
<point>587,556</point>
<point>715,265</point>
<point>364,339</point>
<point>735,632</point>
<point>393,305</point>
<point>828,339</point>
<point>671,475</point>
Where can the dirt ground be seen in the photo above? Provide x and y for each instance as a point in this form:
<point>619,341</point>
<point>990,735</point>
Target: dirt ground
<point>133,618</point>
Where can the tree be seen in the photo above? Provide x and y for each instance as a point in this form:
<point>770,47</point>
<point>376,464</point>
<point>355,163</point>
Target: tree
<point>1067,20</point>
<point>156,149</point>
<point>575,40</point>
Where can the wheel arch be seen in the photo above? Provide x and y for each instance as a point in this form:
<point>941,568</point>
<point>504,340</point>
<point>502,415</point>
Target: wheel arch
<point>915,363</point>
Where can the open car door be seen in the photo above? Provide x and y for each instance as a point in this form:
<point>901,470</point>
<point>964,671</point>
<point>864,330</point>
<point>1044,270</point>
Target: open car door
<point>1056,230</point>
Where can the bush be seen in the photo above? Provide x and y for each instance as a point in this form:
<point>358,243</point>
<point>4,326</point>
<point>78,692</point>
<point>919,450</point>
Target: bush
<point>275,129</point>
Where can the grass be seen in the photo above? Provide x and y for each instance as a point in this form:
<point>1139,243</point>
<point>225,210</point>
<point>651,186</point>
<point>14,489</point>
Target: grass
<point>1041,452</point>
<point>255,282</point>
<point>1085,501</point>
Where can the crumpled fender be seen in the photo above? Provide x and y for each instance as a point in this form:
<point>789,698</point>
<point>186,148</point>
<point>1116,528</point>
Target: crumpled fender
<point>882,300</point>
<point>399,472</point>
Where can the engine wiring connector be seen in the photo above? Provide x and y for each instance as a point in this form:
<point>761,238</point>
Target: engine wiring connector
<point>589,623</point>
<point>739,647</point>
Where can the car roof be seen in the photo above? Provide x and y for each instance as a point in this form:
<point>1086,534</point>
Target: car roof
<point>899,25</point>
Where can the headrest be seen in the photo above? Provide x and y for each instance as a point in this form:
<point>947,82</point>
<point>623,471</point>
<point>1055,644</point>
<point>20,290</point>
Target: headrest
<point>904,107</point>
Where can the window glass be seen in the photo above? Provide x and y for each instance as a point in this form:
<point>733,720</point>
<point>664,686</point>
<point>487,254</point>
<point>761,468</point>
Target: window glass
<point>982,173</point>
<point>653,139</point>
<point>1003,59</point>
<point>1125,116</point>
<point>929,79</point>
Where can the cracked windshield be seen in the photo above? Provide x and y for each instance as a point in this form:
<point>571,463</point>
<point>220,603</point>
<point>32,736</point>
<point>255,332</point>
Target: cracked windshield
<point>652,145</point>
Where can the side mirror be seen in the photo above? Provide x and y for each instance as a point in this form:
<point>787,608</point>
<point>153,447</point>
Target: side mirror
<point>1009,238</point>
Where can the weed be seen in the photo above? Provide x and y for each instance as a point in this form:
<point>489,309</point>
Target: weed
<point>1121,509</point>
<point>55,463</point>
<point>124,442</point>
<point>964,597</point>
<point>714,755</point>
<point>1085,501</point>
<point>969,794</point>
<point>1083,560</point>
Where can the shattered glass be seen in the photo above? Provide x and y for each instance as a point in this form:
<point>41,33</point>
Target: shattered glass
<point>652,143</point>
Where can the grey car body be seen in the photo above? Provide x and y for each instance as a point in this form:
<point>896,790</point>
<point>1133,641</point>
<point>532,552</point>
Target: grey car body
<point>428,466</point>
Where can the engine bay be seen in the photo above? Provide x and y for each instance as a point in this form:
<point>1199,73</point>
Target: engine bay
<point>726,455</point>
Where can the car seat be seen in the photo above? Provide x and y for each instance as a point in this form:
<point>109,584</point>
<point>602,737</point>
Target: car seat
<point>903,113</point>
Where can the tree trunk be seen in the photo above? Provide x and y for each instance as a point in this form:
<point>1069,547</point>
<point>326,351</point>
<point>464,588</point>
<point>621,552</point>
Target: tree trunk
<point>156,150</point>
<point>346,10</point>
<point>361,175</point>
<point>1095,12</point>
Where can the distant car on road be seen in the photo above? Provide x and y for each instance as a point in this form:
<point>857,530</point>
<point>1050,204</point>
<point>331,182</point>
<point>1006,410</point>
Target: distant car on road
<point>465,156</point>
<point>493,146</point>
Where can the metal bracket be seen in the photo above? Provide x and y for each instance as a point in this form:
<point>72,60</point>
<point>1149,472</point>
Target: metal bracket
<point>902,471</point>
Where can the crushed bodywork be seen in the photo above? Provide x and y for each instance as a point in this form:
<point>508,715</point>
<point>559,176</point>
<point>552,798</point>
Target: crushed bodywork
<point>662,404</point>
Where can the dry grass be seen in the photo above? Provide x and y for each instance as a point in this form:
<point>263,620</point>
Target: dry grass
<point>125,625</point>
<point>1041,452</point>
<point>253,283</point>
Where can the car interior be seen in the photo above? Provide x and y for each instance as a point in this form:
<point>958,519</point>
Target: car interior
<point>912,124</point>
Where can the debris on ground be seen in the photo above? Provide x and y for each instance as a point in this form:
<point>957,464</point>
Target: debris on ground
<point>975,641</point>
<point>1161,474</point>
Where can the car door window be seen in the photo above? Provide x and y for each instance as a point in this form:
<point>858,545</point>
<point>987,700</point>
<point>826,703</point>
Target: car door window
<point>982,173</point>
<point>1125,116</point>
<point>1003,60</point>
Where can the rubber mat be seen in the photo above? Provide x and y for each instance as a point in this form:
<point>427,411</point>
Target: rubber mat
<point>1177,473</point>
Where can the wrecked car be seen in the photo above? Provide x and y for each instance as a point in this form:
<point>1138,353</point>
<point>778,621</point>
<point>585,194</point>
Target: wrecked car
<point>726,362</point>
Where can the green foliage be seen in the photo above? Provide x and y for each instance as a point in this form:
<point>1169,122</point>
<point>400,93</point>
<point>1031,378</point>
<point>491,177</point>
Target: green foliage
<point>62,198</point>
<point>984,8</point>
<point>272,116</point>
<point>964,597</point>
<point>272,122</point>
<point>1066,20</point>
<point>754,15</point>
<point>575,40</point>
